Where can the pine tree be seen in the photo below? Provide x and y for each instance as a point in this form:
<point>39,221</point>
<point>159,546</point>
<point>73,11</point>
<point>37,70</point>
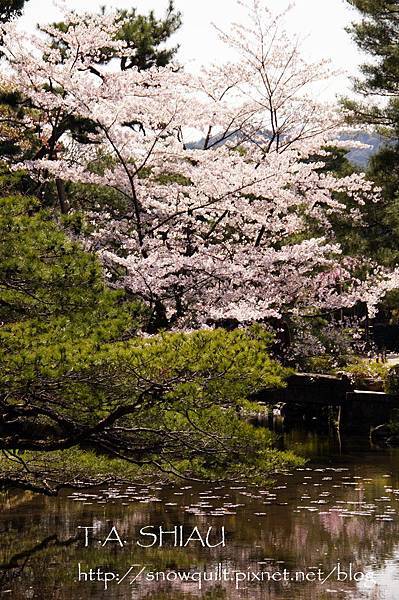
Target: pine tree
<point>377,34</point>
<point>145,37</point>
<point>78,387</point>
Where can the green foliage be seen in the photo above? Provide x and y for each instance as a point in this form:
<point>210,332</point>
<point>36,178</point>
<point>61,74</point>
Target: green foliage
<point>42,273</point>
<point>253,462</point>
<point>75,378</point>
<point>184,391</point>
<point>204,369</point>
<point>349,234</point>
<point>75,465</point>
<point>145,36</point>
<point>54,305</point>
<point>377,34</point>
<point>17,139</point>
<point>335,162</point>
<point>363,369</point>
<point>324,363</point>
<point>383,218</point>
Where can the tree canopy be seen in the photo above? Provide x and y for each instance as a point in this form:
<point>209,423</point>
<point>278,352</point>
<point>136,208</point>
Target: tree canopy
<point>237,227</point>
<point>377,34</point>
<point>143,36</point>
<point>77,378</point>
<point>125,245</point>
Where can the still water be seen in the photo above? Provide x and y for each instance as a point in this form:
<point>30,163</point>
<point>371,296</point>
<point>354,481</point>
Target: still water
<point>337,515</point>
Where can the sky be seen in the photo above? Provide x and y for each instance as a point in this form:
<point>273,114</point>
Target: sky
<point>320,23</point>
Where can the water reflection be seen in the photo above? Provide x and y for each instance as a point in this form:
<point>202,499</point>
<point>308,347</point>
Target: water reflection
<point>340,509</point>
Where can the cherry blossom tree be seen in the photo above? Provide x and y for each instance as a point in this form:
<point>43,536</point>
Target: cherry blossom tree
<point>275,86</point>
<point>236,225</point>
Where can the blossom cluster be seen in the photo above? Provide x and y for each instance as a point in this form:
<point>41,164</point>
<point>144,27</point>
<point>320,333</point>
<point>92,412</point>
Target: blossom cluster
<point>237,224</point>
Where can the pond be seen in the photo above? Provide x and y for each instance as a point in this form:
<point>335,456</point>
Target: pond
<point>327,530</point>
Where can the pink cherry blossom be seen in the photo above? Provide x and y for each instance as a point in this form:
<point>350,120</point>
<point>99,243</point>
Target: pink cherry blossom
<point>223,228</point>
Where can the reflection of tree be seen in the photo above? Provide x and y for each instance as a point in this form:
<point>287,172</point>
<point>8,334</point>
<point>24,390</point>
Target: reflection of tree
<point>14,568</point>
<point>10,500</point>
<point>215,594</point>
<point>263,526</point>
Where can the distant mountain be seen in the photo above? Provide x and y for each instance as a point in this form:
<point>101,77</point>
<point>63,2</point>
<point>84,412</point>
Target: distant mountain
<point>361,156</point>
<point>357,156</point>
